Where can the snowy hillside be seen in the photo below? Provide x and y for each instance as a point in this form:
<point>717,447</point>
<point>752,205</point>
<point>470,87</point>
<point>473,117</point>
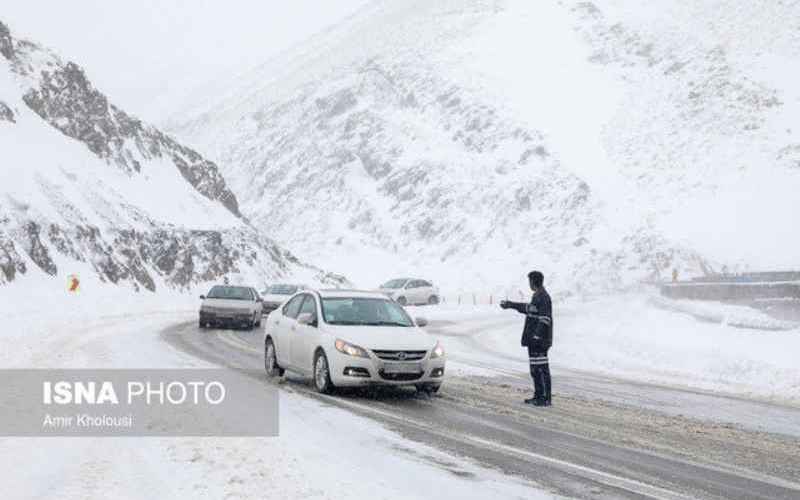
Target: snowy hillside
<point>471,140</point>
<point>86,187</point>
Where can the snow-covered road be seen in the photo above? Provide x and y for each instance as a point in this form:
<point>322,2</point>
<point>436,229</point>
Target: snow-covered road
<point>322,452</point>
<point>588,445</point>
<point>606,437</point>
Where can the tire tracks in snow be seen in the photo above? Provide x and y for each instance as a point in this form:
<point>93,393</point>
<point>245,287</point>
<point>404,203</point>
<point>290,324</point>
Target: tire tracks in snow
<point>570,450</point>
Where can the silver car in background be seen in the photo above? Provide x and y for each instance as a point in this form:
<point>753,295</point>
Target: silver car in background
<point>411,291</point>
<point>274,295</point>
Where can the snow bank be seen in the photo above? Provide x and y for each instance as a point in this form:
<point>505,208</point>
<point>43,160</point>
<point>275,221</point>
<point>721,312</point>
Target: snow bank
<point>630,337</point>
<point>728,314</point>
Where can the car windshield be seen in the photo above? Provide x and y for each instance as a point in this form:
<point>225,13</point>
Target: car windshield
<point>358,311</point>
<point>282,290</point>
<point>394,284</point>
<point>230,292</point>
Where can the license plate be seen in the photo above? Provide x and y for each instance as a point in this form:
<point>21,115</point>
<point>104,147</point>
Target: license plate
<point>401,368</point>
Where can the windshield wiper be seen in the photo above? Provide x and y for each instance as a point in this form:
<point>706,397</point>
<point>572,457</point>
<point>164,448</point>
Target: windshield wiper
<point>387,323</point>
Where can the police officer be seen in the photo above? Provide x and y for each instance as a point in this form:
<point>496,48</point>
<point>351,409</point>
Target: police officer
<point>537,336</point>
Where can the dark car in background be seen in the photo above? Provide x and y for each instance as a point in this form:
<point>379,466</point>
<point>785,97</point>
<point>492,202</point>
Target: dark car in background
<point>230,306</point>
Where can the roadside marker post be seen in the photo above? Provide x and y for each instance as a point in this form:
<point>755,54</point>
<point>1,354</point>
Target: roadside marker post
<point>73,283</point>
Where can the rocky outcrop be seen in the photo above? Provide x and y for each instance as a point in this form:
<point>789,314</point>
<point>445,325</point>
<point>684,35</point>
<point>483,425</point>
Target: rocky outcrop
<point>61,94</point>
<point>73,213</point>
<point>11,262</point>
<point>68,101</point>
<point>6,43</point>
<point>6,113</point>
<point>142,258</point>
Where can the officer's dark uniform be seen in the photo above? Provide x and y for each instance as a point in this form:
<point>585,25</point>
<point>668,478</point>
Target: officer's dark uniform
<point>537,336</point>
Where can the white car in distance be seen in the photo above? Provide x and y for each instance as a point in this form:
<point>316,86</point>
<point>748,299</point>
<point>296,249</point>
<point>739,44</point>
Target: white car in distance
<point>411,291</point>
<point>343,338</point>
<point>273,296</point>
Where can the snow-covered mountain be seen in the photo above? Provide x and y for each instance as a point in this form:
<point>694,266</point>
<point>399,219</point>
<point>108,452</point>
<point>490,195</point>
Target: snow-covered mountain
<point>471,140</point>
<point>88,188</point>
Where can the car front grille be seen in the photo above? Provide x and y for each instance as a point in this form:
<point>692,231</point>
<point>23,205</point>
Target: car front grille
<point>400,355</point>
<point>401,377</point>
<point>225,311</point>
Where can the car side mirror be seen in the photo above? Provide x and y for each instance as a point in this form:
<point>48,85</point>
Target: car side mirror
<point>202,297</point>
<point>422,322</point>
<point>307,319</point>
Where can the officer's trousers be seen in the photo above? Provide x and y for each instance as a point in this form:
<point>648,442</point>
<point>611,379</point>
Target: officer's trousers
<point>540,372</point>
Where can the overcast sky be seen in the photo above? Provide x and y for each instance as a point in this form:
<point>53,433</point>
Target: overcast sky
<point>147,54</point>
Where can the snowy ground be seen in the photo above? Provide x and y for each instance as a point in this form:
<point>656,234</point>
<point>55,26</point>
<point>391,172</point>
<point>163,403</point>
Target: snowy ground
<point>326,452</point>
<point>637,337</point>
<point>322,452</point>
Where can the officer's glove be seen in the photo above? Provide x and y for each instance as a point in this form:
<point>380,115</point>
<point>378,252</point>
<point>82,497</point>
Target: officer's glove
<point>504,304</point>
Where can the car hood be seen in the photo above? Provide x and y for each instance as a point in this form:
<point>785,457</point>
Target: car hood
<point>278,299</point>
<point>228,303</point>
<point>384,337</point>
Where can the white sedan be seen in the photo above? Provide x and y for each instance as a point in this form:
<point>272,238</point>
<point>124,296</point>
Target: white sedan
<point>407,291</point>
<point>345,338</point>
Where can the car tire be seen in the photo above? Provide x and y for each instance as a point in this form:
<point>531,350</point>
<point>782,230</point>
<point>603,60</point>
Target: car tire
<point>271,365</point>
<point>203,325</point>
<point>433,300</point>
<point>402,301</point>
<point>322,374</point>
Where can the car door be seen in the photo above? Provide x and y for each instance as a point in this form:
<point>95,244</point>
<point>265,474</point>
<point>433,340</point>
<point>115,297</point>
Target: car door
<point>253,302</point>
<point>283,333</point>
<point>304,337</point>
<point>258,301</point>
<point>413,292</point>
<point>427,290</point>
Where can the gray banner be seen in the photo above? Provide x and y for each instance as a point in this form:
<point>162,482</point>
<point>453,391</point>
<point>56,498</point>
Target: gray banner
<point>185,402</point>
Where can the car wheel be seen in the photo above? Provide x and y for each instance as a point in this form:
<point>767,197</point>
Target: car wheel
<point>402,301</point>
<point>322,374</point>
<point>271,360</point>
<point>202,325</point>
<point>433,300</point>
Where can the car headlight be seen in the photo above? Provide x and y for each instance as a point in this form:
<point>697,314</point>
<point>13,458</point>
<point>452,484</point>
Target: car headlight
<point>438,351</point>
<point>207,309</point>
<point>350,349</point>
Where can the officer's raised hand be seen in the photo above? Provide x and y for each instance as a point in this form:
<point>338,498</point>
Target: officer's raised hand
<point>504,304</point>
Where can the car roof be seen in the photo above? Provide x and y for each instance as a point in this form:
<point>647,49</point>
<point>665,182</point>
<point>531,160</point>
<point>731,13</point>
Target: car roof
<point>339,292</point>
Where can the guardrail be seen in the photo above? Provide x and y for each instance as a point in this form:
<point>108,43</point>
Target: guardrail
<point>483,298</point>
<point>731,291</point>
<point>753,277</point>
